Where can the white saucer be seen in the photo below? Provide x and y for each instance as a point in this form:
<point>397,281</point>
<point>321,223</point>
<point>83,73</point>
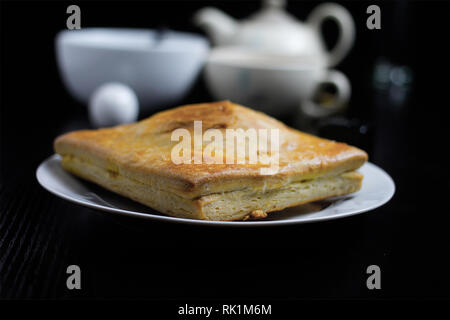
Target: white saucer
<point>376,190</point>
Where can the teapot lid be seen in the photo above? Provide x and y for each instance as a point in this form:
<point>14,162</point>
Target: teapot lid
<point>273,12</point>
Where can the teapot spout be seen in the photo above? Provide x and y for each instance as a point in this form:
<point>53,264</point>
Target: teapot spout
<point>219,26</point>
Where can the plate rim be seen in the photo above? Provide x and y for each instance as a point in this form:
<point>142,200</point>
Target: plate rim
<point>165,218</point>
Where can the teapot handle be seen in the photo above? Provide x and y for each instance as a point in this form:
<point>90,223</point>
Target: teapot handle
<point>346,29</point>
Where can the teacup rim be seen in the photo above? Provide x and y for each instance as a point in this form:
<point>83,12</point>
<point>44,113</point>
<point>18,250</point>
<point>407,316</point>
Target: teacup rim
<point>216,56</point>
<point>66,37</point>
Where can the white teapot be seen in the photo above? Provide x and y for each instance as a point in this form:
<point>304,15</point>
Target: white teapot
<point>273,30</point>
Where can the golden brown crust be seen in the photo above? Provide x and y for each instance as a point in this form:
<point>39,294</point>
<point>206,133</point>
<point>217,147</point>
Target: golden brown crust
<point>142,151</point>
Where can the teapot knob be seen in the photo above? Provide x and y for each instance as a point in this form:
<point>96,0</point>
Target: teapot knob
<point>274,3</point>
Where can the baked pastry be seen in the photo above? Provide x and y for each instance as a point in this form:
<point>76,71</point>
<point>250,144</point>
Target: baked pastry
<point>136,161</point>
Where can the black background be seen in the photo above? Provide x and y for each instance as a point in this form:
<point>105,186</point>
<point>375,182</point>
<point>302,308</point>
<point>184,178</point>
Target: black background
<point>120,257</point>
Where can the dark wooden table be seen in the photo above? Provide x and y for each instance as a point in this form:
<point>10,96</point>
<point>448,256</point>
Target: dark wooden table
<point>123,257</point>
<point>41,235</point>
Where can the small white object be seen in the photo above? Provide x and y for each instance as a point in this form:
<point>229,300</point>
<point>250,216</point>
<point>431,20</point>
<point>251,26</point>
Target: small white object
<point>113,104</point>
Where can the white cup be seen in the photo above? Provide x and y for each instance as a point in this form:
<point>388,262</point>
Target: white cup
<point>273,83</point>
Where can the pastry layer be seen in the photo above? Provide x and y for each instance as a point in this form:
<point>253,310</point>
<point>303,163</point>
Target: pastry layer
<point>232,205</point>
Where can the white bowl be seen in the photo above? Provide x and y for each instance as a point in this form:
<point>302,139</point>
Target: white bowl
<point>160,67</point>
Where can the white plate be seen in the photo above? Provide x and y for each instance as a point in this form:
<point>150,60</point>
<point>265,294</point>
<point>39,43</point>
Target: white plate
<point>376,190</point>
